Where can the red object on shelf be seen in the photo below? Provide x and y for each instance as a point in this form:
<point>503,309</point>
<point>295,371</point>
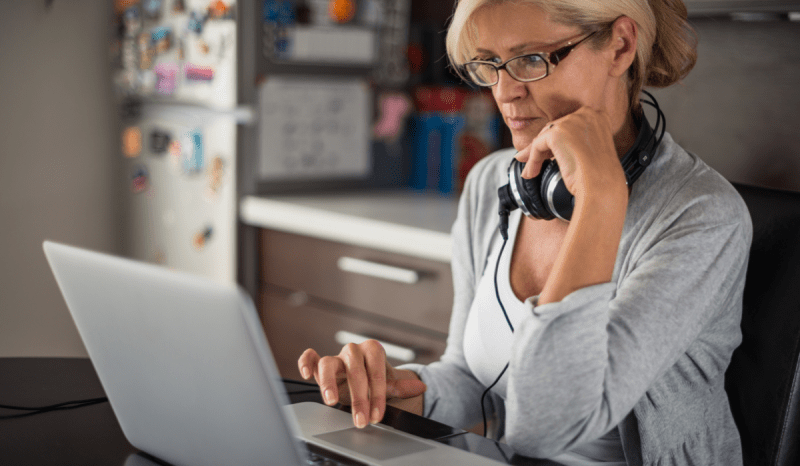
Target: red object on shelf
<point>446,99</point>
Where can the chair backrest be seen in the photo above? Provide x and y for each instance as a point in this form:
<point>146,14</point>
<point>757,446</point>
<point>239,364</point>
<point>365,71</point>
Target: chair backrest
<point>763,380</point>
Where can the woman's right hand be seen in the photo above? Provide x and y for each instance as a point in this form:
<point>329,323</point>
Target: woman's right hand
<point>361,377</point>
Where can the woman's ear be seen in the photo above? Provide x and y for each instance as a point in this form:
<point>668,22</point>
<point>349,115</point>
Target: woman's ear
<point>624,36</point>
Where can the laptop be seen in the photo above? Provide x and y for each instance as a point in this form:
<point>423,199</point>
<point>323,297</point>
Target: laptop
<point>191,379</point>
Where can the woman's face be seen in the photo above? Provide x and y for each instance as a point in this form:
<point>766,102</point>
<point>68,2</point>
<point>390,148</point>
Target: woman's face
<point>510,29</point>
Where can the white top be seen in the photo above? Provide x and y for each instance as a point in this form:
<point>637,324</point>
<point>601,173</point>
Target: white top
<point>488,339</point>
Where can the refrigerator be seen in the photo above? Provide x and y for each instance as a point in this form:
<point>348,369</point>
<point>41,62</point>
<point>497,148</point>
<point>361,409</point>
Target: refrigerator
<point>175,75</point>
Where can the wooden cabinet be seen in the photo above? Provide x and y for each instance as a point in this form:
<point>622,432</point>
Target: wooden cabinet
<point>323,294</point>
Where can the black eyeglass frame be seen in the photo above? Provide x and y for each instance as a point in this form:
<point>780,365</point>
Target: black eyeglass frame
<point>550,58</point>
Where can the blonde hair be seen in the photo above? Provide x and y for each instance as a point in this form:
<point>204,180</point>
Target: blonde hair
<point>665,52</point>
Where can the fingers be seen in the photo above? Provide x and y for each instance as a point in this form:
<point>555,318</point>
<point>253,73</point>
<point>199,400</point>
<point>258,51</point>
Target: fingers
<point>375,359</point>
<point>536,153</point>
<point>307,363</point>
<point>355,365</point>
<point>358,375</point>
<point>328,372</point>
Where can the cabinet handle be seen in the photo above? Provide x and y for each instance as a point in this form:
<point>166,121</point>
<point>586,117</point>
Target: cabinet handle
<point>393,351</point>
<point>374,269</point>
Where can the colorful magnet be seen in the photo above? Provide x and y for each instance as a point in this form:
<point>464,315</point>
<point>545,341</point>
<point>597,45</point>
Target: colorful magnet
<point>145,52</point>
<point>139,179</point>
<point>216,170</point>
<point>201,238</point>
<point>199,73</point>
<point>161,38</point>
<point>196,22</point>
<point>166,78</point>
<point>152,8</point>
<point>159,141</point>
<point>218,9</point>
<point>132,141</point>
<point>192,152</point>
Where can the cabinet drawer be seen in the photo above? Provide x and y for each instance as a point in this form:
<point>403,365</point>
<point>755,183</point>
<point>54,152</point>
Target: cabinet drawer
<point>408,289</point>
<point>291,327</point>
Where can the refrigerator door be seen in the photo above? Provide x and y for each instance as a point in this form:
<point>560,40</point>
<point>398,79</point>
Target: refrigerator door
<point>182,196</point>
<point>180,142</point>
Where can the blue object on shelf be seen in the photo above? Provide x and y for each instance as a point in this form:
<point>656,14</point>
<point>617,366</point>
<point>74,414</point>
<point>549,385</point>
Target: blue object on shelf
<point>435,150</point>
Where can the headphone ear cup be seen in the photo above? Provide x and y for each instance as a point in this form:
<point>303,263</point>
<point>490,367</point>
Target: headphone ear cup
<point>557,200</point>
<point>533,193</point>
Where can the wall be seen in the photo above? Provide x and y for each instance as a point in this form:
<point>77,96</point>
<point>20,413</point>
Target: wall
<point>739,109</point>
<point>58,171</point>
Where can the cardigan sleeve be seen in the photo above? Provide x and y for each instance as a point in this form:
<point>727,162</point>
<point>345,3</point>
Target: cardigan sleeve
<point>579,366</point>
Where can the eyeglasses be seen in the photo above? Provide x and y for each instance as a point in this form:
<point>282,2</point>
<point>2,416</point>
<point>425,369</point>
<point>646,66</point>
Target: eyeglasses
<point>523,68</point>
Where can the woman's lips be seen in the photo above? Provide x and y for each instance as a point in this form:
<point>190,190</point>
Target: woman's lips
<point>519,123</point>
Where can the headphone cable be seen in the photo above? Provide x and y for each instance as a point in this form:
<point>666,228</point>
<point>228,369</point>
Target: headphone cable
<point>508,320</point>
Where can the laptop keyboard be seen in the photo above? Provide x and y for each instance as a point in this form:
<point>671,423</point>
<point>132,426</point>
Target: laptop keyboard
<point>318,456</point>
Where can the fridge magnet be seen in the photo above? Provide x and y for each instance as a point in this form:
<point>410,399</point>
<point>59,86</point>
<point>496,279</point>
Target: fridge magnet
<point>152,8</point>
<point>161,38</point>
<point>132,141</point>
<point>218,9</point>
<point>159,142</point>
<point>139,179</point>
<point>192,152</point>
<point>199,73</point>
<point>175,154</point>
<point>166,75</point>
<point>201,238</point>
<point>145,52</point>
<point>216,170</point>
<point>196,22</point>
<point>203,46</point>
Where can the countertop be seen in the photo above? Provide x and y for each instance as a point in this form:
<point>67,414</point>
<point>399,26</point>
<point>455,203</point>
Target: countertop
<point>414,223</point>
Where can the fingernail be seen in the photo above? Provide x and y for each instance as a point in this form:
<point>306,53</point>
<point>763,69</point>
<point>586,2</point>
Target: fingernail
<point>360,421</point>
<point>376,416</point>
<point>306,372</point>
<point>329,397</point>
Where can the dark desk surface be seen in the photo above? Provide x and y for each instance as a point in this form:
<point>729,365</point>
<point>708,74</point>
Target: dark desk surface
<point>91,435</point>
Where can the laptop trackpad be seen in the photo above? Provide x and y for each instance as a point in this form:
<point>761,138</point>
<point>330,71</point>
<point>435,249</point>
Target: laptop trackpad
<point>377,443</point>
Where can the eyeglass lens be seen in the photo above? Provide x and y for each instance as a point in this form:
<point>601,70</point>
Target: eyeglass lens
<point>524,68</point>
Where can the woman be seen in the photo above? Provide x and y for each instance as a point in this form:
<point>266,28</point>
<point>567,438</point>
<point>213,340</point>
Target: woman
<point>618,325</point>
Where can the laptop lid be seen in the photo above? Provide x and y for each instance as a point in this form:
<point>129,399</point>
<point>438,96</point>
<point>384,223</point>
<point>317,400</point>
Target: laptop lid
<point>190,377</point>
<point>185,376</point>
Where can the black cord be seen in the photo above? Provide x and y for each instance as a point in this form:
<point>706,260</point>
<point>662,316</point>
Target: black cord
<point>56,407</point>
<point>496,291</point>
<point>508,320</point>
<point>299,382</point>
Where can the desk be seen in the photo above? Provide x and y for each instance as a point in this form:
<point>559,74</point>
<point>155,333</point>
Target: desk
<point>91,435</point>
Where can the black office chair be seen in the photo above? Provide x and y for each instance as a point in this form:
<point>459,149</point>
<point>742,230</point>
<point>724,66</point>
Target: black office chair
<point>763,380</point>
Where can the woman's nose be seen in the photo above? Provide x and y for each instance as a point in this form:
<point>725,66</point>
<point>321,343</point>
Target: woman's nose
<point>507,88</point>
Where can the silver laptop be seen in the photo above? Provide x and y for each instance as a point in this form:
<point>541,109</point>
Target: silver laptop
<point>191,379</point>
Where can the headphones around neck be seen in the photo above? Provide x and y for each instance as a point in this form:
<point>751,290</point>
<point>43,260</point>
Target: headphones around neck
<point>546,196</point>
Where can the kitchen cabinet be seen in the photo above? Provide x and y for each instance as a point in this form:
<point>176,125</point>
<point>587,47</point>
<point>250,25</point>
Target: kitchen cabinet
<point>323,294</point>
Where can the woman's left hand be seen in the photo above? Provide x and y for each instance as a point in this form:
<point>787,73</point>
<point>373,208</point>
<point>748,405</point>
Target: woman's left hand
<point>583,145</point>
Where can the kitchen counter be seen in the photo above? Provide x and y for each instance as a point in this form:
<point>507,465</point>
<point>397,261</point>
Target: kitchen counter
<point>406,222</point>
